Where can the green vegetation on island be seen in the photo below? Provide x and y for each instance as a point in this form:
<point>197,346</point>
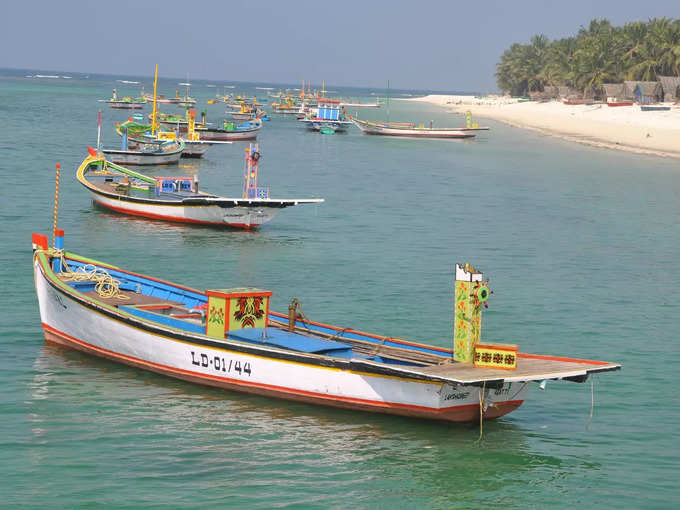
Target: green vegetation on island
<point>599,54</point>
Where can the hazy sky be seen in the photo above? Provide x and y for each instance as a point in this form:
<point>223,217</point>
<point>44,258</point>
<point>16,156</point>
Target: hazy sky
<point>440,45</point>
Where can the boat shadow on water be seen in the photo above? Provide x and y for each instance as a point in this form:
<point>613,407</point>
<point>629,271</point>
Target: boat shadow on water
<point>104,221</point>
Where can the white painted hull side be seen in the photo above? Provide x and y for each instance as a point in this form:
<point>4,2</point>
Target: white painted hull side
<point>143,158</point>
<point>239,217</point>
<point>316,125</point>
<point>194,149</point>
<point>371,129</point>
<point>69,323</point>
<point>220,135</point>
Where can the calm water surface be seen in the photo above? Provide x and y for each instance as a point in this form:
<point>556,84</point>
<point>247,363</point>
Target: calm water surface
<point>581,246</point>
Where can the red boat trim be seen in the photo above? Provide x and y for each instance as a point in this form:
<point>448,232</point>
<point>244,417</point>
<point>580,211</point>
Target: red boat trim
<point>157,367</point>
<point>177,219</point>
<point>559,358</point>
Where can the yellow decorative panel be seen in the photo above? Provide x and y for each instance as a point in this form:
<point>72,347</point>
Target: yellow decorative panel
<point>248,312</point>
<point>216,315</point>
<point>496,356</point>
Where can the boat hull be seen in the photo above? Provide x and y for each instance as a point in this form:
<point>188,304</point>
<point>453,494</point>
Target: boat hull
<point>194,149</point>
<point>224,135</point>
<point>104,331</point>
<point>142,158</point>
<point>337,126</point>
<point>242,217</point>
<point>416,133</point>
<point>127,106</point>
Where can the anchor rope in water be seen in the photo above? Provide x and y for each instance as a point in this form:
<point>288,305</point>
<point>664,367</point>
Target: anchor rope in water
<point>105,284</point>
<point>592,402</point>
<point>481,411</point>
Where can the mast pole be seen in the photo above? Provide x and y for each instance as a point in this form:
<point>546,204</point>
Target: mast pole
<point>56,206</point>
<point>99,130</point>
<point>153,115</point>
<point>388,100</point>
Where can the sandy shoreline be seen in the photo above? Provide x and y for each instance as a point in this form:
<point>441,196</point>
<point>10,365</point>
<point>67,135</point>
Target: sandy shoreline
<point>622,128</point>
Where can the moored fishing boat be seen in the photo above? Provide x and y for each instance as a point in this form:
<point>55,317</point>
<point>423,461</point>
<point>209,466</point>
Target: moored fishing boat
<point>178,199</point>
<point>152,152</point>
<point>358,104</point>
<point>327,115</point>
<point>141,134</point>
<point>231,131</point>
<point>144,135</point>
<point>125,103</point>
<point>230,339</point>
<point>411,130</point>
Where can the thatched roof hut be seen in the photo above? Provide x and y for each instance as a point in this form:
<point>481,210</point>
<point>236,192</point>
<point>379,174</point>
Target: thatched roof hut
<point>628,91</point>
<point>563,92</point>
<point>647,92</point>
<point>614,90</point>
<point>549,92</point>
<point>671,88</point>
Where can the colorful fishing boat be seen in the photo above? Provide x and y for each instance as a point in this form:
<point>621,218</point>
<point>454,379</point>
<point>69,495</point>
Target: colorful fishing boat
<point>162,99</point>
<point>287,107</point>
<point>152,152</point>
<point>231,131</point>
<point>178,199</point>
<point>125,103</point>
<point>229,338</point>
<point>141,134</point>
<point>327,115</point>
<point>619,103</point>
<point>409,129</point>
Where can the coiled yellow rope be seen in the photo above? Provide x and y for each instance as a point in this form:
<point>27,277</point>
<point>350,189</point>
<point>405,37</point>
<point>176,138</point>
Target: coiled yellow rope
<point>105,284</point>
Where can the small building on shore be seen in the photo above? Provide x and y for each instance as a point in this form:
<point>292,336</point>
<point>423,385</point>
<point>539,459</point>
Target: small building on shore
<point>613,91</point>
<point>628,91</point>
<point>671,88</point>
<point>648,92</point>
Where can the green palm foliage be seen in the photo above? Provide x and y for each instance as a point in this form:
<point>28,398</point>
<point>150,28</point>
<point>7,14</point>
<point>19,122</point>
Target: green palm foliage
<point>600,53</point>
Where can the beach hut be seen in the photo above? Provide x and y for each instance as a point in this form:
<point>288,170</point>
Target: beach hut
<point>613,91</point>
<point>648,92</point>
<point>549,92</point>
<point>564,92</point>
<point>671,88</point>
<point>628,91</point>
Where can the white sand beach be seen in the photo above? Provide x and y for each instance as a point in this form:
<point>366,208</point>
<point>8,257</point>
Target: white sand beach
<point>625,128</point>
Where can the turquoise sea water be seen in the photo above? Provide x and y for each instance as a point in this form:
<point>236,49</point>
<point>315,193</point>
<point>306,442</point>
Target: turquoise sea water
<point>580,244</point>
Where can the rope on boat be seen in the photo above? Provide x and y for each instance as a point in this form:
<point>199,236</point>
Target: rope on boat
<point>481,410</point>
<point>106,285</point>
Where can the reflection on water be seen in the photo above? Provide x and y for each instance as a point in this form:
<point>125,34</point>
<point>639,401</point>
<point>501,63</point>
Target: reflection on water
<point>178,432</point>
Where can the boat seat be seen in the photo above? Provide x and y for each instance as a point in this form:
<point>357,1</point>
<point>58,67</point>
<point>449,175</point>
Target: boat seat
<point>274,337</point>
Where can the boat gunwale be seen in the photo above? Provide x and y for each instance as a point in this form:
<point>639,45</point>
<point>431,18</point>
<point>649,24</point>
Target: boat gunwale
<point>360,365</point>
<point>206,200</point>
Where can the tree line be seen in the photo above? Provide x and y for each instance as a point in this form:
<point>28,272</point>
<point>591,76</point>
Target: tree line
<point>599,54</point>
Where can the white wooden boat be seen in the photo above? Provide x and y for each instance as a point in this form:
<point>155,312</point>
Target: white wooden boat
<point>157,152</point>
<point>242,115</point>
<point>178,199</point>
<point>350,104</point>
<point>410,130</point>
<point>231,132</point>
<point>230,339</point>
